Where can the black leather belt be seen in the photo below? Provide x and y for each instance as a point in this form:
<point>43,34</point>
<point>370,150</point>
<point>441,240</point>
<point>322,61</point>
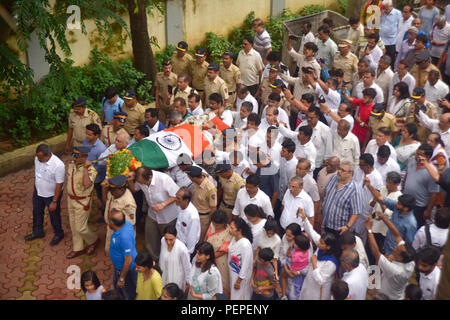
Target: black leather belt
<point>203,214</point>
<point>227,205</point>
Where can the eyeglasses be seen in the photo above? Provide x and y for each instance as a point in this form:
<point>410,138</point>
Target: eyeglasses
<point>340,169</point>
<point>76,155</point>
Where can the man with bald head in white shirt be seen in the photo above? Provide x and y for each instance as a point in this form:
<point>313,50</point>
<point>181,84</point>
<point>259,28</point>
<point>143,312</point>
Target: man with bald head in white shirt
<point>355,274</point>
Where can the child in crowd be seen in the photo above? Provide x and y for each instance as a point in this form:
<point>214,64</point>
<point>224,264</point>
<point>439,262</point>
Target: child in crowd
<point>91,286</point>
<point>297,254</point>
<point>339,290</point>
<point>270,239</point>
<point>413,292</point>
<point>263,276</point>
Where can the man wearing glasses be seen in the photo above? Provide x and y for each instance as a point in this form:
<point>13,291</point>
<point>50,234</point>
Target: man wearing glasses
<point>342,203</point>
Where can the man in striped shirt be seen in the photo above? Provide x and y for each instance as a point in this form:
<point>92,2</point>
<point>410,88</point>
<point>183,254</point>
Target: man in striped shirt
<point>343,201</point>
<point>261,42</point>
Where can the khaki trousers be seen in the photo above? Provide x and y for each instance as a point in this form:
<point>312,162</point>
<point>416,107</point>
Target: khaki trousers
<point>78,219</point>
<point>153,235</point>
<point>205,220</point>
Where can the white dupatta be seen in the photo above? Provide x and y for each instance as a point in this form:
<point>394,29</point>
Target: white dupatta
<point>175,264</point>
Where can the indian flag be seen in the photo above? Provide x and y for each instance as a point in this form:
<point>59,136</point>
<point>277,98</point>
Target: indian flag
<point>162,149</point>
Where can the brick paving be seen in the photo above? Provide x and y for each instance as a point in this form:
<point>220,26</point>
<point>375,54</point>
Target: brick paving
<point>35,270</point>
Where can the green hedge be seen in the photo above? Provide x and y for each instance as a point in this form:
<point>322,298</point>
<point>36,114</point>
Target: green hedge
<point>43,111</point>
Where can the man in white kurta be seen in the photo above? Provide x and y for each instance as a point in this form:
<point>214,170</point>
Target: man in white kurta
<point>294,199</point>
<point>355,275</point>
<point>188,221</point>
<point>175,264</point>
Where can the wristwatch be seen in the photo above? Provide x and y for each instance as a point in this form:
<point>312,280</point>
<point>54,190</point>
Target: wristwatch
<point>369,230</point>
<point>121,279</point>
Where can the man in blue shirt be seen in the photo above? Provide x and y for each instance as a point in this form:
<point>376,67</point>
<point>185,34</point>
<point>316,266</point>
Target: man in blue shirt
<point>122,252</point>
<point>390,21</point>
<point>97,147</point>
<point>402,217</point>
<point>111,103</point>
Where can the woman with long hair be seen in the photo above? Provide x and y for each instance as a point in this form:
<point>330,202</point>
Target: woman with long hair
<point>399,103</point>
<point>174,259</point>
<point>257,219</point>
<point>240,260</point>
<point>219,236</point>
<point>324,264</point>
<point>149,283</point>
<point>408,145</point>
<point>205,280</point>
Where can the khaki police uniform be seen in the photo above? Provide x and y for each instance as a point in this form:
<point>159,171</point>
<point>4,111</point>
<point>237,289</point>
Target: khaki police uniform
<point>387,121</point>
<point>230,189</point>
<point>284,104</point>
<point>421,75</point>
<point>78,124</point>
<point>125,204</point>
<point>348,64</point>
<point>218,85</point>
<point>266,90</point>
<point>431,112</point>
<point>78,205</point>
<point>205,197</point>
<point>135,117</point>
<point>181,65</point>
<point>232,77</point>
<point>163,83</point>
<point>109,135</point>
<point>198,74</point>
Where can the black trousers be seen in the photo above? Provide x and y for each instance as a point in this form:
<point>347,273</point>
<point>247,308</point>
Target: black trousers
<point>390,51</point>
<point>39,204</point>
<point>418,213</point>
<point>138,198</point>
<point>252,89</point>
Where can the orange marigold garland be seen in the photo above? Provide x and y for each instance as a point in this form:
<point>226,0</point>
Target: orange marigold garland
<point>121,163</point>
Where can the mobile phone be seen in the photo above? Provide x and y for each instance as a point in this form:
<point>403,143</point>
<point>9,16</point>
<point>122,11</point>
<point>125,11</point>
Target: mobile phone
<point>170,89</point>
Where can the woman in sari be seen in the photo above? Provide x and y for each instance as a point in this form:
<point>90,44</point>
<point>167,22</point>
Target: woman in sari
<point>174,259</point>
<point>399,103</point>
<point>408,145</point>
<point>219,236</point>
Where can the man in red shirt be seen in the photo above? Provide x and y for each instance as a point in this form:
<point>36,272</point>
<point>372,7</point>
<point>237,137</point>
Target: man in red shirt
<point>362,114</point>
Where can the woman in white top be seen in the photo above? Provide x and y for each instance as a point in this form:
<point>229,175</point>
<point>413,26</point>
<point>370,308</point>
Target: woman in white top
<point>269,238</point>
<point>408,144</point>
<point>174,259</point>
<point>324,264</point>
<point>256,219</point>
<point>240,260</point>
<point>398,105</point>
<point>205,281</point>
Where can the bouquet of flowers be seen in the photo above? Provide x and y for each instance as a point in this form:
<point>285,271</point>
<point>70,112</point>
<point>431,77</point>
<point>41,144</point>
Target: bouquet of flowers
<point>121,163</point>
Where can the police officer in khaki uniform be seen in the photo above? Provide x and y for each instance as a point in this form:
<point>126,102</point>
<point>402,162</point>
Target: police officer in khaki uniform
<point>117,196</point>
<point>265,89</point>
<point>183,90</point>
<point>229,185</point>
<point>181,59</point>
<point>277,87</point>
<point>205,196</point>
<point>134,110</point>
<point>420,103</point>
<point>79,118</point>
<point>346,60</point>
<point>80,183</point>
<point>110,131</point>
<point>198,70</point>
<point>166,82</point>
<point>215,84</point>
<point>231,74</point>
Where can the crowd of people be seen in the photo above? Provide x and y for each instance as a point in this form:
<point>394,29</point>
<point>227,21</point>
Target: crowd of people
<point>320,175</point>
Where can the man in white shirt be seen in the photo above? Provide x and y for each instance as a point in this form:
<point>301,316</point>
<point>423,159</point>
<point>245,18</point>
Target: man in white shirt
<point>307,35</point>
<point>304,147</point>
<point>427,259</point>
<point>303,171</point>
<point>327,48</point>
<point>438,231</point>
<point>372,51</point>
<point>441,126</point>
<point>294,199</point>
<point>369,82</point>
<point>349,241</point>
<point>355,274</point>
<point>381,139</point>
<point>49,173</point>
<point>195,107</point>
<point>275,114</point>
<point>160,192</point>
<point>384,163</point>
<point>251,194</point>
<point>435,89</point>
<point>344,112</point>
<point>244,95</point>
<point>346,144</point>
<point>251,65</point>
<point>288,165</point>
<point>395,273</point>
<point>188,221</point>
<point>327,91</point>
<point>272,145</point>
<point>384,75</point>
<point>304,59</point>
<point>403,26</point>
<point>439,37</point>
<point>402,74</point>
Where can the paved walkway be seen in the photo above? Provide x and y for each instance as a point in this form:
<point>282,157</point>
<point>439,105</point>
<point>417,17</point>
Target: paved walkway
<point>34,269</point>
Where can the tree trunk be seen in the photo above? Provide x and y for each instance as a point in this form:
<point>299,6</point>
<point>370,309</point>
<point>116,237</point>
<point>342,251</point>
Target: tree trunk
<point>354,7</point>
<point>144,60</point>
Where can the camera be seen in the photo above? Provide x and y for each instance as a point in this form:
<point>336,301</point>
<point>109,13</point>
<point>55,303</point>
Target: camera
<point>283,68</point>
<point>293,37</point>
<point>321,99</point>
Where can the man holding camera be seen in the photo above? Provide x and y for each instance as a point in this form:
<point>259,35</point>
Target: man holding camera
<point>307,58</point>
<point>420,103</point>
